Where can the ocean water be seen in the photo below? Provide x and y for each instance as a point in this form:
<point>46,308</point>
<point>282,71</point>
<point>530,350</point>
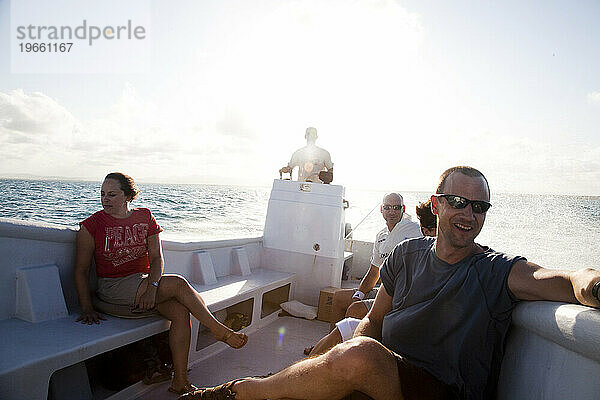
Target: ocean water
<point>554,231</point>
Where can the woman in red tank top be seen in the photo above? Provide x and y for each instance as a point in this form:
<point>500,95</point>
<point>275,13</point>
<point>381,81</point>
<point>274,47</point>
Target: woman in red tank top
<point>125,245</point>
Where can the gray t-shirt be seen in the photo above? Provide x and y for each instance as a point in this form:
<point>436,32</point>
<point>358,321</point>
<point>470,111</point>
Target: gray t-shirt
<point>449,319</point>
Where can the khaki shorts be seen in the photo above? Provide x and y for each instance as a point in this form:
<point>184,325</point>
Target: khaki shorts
<point>121,290</point>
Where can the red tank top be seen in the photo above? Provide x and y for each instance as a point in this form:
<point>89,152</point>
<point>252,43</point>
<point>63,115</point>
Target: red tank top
<point>121,246</point>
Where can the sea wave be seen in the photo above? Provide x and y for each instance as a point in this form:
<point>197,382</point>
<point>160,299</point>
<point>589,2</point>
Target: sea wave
<point>554,231</point>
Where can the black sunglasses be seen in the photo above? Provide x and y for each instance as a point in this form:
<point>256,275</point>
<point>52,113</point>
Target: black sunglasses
<point>458,202</point>
<point>390,207</point>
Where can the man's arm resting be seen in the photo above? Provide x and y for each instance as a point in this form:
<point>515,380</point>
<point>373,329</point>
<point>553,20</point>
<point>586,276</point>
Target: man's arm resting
<point>529,281</point>
<point>372,323</point>
<point>369,280</point>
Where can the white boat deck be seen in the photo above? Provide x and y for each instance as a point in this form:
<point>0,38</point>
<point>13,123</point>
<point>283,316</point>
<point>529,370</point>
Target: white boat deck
<point>552,351</point>
<point>269,349</point>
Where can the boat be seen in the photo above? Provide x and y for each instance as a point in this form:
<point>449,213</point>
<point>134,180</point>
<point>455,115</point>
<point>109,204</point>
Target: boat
<point>552,352</point>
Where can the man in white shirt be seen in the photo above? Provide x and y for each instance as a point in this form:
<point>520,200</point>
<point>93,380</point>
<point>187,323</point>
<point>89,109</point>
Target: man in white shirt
<point>309,159</point>
<point>355,303</point>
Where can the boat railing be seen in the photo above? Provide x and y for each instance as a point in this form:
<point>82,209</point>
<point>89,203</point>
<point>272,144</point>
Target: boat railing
<point>552,352</point>
<point>42,342</point>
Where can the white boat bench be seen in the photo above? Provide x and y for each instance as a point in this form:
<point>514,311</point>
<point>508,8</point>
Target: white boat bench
<point>40,338</point>
<point>552,353</point>
<point>33,351</point>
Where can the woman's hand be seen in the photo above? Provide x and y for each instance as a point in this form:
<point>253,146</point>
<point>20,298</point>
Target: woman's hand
<point>90,317</point>
<point>148,298</point>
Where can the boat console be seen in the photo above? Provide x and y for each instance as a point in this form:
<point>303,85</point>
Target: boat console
<point>304,235</point>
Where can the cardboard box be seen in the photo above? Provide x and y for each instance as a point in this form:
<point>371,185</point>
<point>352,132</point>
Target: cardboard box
<point>325,310</point>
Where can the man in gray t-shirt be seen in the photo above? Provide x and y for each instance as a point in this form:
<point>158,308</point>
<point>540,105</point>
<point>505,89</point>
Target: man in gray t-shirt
<point>463,309</point>
<point>438,324</point>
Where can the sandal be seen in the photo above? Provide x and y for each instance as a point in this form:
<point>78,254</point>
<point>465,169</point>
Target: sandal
<point>308,349</point>
<point>157,377</point>
<point>228,336</point>
<point>221,392</point>
<point>263,376</point>
<point>185,390</point>
<point>156,374</point>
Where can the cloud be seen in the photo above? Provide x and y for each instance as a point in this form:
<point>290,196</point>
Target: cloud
<point>151,142</point>
<point>235,109</point>
<point>526,165</point>
<point>35,116</point>
<point>593,98</point>
<point>35,130</point>
<point>234,123</point>
<point>138,135</point>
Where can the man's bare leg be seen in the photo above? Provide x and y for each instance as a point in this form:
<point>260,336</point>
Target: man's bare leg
<point>357,310</point>
<point>360,364</point>
<point>341,300</point>
<point>327,342</point>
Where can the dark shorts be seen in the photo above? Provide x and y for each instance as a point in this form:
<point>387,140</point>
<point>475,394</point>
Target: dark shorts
<point>416,383</point>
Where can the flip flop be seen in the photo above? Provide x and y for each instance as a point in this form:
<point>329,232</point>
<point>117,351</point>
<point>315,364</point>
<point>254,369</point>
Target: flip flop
<point>228,336</point>
<point>221,392</point>
<point>157,377</point>
<point>263,376</point>
<point>158,374</point>
<point>186,389</point>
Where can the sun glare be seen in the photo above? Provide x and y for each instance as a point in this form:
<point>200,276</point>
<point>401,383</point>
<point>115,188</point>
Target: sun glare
<point>408,88</point>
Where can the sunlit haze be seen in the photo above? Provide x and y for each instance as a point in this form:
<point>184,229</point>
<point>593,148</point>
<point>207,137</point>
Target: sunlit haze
<point>398,91</point>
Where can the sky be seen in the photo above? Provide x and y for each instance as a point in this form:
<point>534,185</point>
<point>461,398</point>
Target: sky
<point>222,92</point>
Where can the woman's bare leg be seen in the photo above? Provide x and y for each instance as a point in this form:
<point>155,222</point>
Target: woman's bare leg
<point>177,288</point>
<point>179,339</point>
